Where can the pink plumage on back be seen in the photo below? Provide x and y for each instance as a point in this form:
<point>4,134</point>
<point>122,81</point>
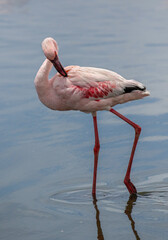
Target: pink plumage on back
<point>86,89</point>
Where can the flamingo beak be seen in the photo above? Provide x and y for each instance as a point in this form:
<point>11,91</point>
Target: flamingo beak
<point>58,66</point>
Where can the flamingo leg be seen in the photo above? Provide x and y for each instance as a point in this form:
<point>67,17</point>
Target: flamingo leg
<point>96,154</point>
<point>131,188</point>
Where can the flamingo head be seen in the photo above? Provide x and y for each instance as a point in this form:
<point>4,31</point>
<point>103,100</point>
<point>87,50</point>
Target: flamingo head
<point>50,49</point>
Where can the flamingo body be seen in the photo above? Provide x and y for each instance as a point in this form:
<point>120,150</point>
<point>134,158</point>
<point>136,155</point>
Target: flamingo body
<point>89,90</point>
<point>86,89</point>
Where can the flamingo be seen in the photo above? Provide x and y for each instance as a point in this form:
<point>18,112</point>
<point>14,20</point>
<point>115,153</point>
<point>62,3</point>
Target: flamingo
<point>89,90</point>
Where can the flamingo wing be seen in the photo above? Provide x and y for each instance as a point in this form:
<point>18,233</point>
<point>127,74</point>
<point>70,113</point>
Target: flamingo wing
<point>95,83</point>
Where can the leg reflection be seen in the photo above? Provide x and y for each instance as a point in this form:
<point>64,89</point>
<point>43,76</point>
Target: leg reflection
<point>128,211</point>
<point>99,229</point>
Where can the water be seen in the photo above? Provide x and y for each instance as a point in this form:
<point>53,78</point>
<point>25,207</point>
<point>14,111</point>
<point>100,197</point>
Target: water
<point>46,157</point>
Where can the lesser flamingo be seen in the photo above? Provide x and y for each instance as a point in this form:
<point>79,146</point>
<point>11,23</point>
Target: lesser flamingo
<point>89,90</point>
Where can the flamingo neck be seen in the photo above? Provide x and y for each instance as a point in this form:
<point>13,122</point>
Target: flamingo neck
<point>41,80</point>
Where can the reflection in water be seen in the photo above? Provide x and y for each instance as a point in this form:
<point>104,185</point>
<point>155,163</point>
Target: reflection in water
<point>128,211</point>
<point>99,229</point>
<point>6,6</point>
<point>113,203</point>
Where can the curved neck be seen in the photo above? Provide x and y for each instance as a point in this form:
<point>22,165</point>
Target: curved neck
<point>43,73</point>
<point>41,80</point>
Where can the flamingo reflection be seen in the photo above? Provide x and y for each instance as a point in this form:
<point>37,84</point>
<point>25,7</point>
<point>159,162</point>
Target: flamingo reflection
<point>98,223</point>
<point>128,211</point>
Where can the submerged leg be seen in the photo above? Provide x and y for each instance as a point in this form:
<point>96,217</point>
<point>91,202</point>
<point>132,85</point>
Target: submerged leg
<point>131,188</point>
<point>96,154</point>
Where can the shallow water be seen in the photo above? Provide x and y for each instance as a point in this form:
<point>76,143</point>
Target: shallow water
<point>46,164</point>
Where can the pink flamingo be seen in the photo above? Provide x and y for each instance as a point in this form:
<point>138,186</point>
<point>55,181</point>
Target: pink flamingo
<point>89,90</point>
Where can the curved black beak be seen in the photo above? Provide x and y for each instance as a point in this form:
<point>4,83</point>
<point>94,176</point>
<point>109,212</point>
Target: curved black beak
<point>58,66</point>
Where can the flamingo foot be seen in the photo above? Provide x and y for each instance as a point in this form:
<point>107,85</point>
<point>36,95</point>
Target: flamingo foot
<point>130,186</point>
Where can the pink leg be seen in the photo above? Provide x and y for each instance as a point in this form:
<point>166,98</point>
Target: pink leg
<point>131,188</point>
<point>96,154</point>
